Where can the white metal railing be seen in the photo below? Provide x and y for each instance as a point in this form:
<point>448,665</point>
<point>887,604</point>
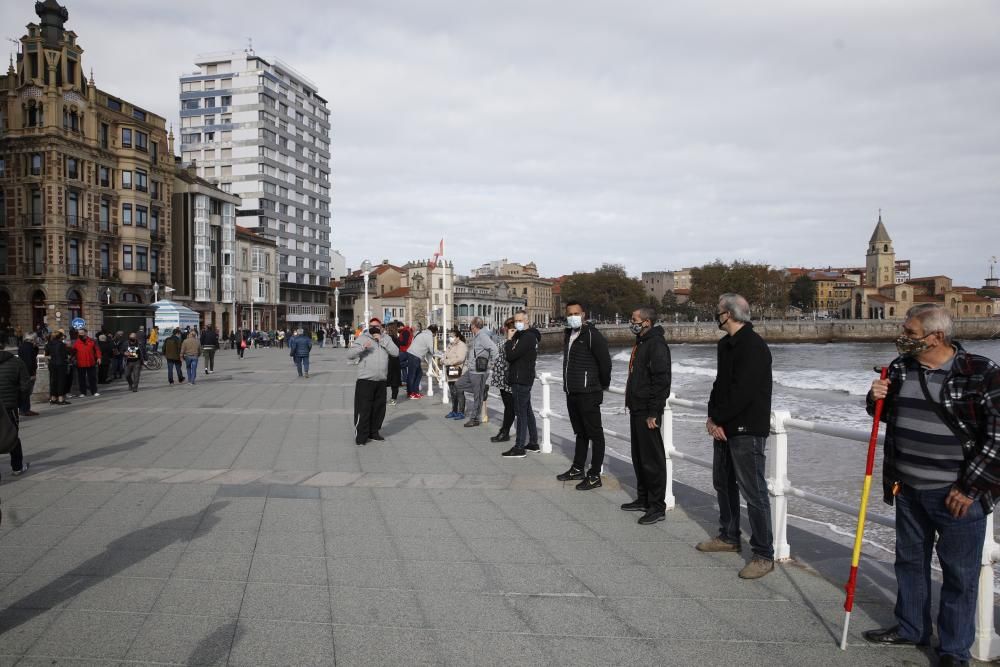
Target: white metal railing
<point>987,642</point>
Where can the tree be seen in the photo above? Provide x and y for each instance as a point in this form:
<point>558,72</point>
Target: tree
<point>670,307</point>
<point>606,292</point>
<point>763,287</point>
<point>802,293</point>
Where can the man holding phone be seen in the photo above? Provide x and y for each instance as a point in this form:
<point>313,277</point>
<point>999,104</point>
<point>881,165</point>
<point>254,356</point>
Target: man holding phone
<point>372,349</point>
<point>739,421</point>
<point>645,398</point>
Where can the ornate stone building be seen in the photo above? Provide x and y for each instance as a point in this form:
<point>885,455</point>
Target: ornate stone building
<point>85,187</point>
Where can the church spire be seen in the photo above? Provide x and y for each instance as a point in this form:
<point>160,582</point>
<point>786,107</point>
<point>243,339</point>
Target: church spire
<point>880,235</point>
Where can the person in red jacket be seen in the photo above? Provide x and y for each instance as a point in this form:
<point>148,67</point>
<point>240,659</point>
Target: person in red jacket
<point>88,356</point>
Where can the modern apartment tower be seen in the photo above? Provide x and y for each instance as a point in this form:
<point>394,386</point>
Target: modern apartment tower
<point>261,131</point>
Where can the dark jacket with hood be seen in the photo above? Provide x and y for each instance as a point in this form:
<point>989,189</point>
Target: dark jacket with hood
<point>15,382</point>
<point>522,352</point>
<point>741,396</point>
<point>28,353</point>
<point>172,348</point>
<point>648,384</point>
<point>587,362</point>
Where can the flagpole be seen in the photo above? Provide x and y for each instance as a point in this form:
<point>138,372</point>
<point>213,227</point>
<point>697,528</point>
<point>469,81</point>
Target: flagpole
<point>444,332</point>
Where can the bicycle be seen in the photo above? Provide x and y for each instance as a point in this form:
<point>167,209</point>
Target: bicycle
<point>153,360</point>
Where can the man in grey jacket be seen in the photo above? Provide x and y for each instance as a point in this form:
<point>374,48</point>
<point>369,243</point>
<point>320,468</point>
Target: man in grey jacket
<point>372,349</point>
<point>421,349</point>
<point>482,350</point>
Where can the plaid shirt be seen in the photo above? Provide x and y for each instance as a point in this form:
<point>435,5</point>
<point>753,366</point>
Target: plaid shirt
<point>970,395</point>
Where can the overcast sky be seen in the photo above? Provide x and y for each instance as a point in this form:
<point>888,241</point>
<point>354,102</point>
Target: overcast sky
<point>649,133</point>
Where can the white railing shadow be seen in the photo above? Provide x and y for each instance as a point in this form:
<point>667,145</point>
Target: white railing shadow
<point>987,643</point>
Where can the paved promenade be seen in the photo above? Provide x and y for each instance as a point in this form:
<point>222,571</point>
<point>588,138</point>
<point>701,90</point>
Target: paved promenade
<point>235,522</point>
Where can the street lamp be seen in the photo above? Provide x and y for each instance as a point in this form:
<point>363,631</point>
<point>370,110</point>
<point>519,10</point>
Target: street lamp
<point>366,269</point>
<point>156,292</point>
<point>107,293</point>
<point>336,308</point>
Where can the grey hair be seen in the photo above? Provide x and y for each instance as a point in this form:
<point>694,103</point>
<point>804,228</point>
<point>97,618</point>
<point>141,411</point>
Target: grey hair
<point>646,313</point>
<point>477,322</point>
<point>736,306</point>
<point>933,317</point>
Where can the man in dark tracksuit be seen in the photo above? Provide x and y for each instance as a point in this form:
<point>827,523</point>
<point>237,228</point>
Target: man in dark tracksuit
<point>645,398</point>
<point>739,421</point>
<point>586,375</point>
<point>521,350</point>
<point>15,385</point>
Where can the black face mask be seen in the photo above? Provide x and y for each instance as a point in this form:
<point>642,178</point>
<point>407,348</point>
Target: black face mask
<point>374,331</point>
<point>718,320</point>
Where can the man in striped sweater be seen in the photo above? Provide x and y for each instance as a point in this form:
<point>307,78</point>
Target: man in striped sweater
<point>942,472</point>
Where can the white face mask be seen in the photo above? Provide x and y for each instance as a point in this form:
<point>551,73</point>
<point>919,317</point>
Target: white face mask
<point>519,326</point>
<point>574,321</point>
<point>451,340</point>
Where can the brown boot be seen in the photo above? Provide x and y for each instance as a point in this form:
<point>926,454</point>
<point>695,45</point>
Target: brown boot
<point>756,568</point>
<point>717,544</point>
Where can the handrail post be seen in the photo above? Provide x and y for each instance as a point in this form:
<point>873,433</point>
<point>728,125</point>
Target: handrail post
<point>546,443</point>
<point>668,447</point>
<point>987,643</point>
<point>777,482</point>
<point>430,378</point>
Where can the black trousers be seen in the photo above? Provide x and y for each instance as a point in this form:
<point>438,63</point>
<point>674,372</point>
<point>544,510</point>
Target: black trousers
<point>509,411</point>
<point>585,416</point>
<point>649,462</point>
<point>87,378</point>
<point>16,454</point>
<point>369,408</point>
<point>395,377</point>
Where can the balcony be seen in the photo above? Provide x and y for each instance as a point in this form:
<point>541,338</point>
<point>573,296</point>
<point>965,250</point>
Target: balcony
<point>33,269</point>
<point>107,228</point>
<point>32,219</point>
<point>75,221</point>
<point>105,273</point>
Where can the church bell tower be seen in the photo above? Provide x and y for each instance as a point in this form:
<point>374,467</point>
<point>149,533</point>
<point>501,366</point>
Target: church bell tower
<point>881,258</point>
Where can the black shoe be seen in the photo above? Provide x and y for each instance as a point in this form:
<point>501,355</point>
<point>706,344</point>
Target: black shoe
<point>515,452</point>
<point>887,636</point>
<point>533,448</point>
<point>571,474</point>
<point>591,482</point>
<point>500,437</point>
<point>24,469</point>
<point>471,423</point>
<point>952,661</point>
<point>361,442</point>
<point>376,436</point>
<point>635,506</point>
<point>652,517</point>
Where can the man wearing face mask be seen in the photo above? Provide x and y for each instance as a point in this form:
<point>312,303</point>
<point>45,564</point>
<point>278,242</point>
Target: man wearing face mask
<point>372,349</point>
<point>482,351</point>
<point>942,471</point>
<point>646,395</point>
<point>521,350</point>
<point>739,421</point>
<point>586,376</point>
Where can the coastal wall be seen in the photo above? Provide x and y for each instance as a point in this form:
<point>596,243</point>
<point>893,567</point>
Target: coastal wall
<point>785,331</point>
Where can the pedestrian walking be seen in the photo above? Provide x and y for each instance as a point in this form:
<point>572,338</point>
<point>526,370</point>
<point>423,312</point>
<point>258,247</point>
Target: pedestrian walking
<point>58,355</point>
<point>420,350</point>
<point>135,355</point>
<point>521,350</point>
<point>172,353</point>
<point>190,353</point>
<point>320,337</point>
<point>15,383</point>
<point>482,351</point>
<point>646,393</point>
<point>107,347</point>
<point>299,347</point>
<point>454,366</point>
<point>942,472</point>
<point>209,344</point>
<point>27,351</point>
<point>586,376</point>
<point>88,356</point>
<point>739,421</point>
<point>498,380</point>
<point>120,341</point>
<point>372,350</point>
<point>395,374</point>
<point>405,336</point>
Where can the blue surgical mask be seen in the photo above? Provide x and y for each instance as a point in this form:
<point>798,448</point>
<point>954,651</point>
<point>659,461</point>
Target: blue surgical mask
<point>574,321</point>
<point>519,326</point>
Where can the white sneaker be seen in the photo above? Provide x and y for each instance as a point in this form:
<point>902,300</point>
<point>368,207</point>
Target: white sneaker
<point>96,395</point>
<point>392,401</point>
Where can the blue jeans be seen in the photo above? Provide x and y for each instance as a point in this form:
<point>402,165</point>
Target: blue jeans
<point>920,516</point>
<point>301,364</point>
<point>191,363</point>
<point>525,425</point>
<point>738,467</point>
<point>414,373</point>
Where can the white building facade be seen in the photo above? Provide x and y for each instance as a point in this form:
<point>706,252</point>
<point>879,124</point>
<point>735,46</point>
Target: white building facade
<point>261,131</point>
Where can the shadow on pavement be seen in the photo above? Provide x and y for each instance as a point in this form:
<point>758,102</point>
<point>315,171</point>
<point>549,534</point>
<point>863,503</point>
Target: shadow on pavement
<point>91,453</point>
<point>399,424</point>
<point>152,538</point>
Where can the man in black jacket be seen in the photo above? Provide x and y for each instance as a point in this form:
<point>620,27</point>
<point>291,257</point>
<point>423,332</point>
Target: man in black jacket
<point>586,376</point>
<point>28,353</point>
<point>521,350</point>
<point>739,421</point>
<point>15,384</point>
<point>209,344</point>
<point>645,398</point>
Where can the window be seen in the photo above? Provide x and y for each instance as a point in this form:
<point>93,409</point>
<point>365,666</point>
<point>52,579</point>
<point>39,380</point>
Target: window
<point>105,214</point>
<point>105,131</point>
<point>189,86</point>
<point>156,151</point>
<point>141,258</point>
<point>126,214</point>
<point>139,114</point>
<point>227,83</point>
<point>154,190</point>
<point>154,220</point>
<point>141,216</point>
<point>127,257</point>
<point>74,257</point>
<point>127,180</point>
<point>141,183</point>
<point>141,141</point>
<point>210,136</point>
<point>209,102</point>
<point>194,138</point>
<point>154,260</point>
<point>209,84</point>
<point>226,118</point>
<point>227,153</point>
<point>126,138</point>
<point>72,168</point>
<point>104,177</point>
<point>72,208</point>
<point>189,104</point>
<point>226,100</point>
<point>209,120</point>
